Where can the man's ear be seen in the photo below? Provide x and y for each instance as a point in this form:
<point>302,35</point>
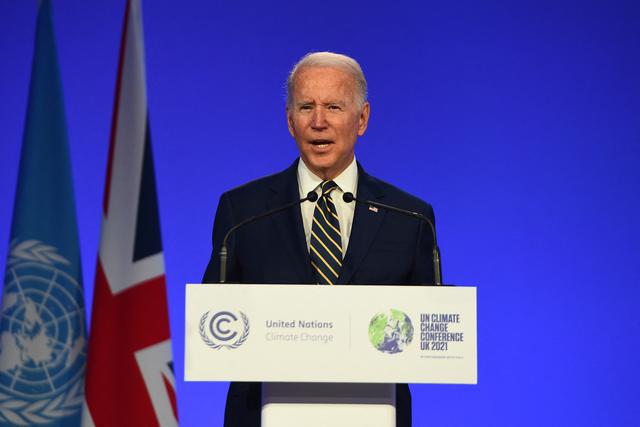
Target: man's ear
<point>363,120</point>
<point>289,121</point>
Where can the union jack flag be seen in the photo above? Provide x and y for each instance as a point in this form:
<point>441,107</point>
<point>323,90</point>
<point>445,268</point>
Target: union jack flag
<point>129,378</point>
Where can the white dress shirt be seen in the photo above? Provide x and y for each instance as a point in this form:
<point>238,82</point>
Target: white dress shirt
<point>347,182</point>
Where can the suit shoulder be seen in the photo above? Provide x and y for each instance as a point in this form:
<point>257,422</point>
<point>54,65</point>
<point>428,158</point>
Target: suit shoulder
<point>400,198</point>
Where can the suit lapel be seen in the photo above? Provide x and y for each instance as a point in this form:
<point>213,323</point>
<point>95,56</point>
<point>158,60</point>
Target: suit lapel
<point>288,224</point>
<point>365,226</point>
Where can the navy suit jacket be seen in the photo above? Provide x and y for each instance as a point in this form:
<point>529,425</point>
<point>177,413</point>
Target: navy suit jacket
<point>385,248</point>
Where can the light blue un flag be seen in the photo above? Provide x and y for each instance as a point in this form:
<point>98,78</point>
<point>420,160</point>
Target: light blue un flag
<point>42,329</point>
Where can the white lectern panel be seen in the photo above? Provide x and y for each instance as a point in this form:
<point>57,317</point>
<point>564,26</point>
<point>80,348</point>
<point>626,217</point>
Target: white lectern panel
<point>339,334</point>
<point>334,405</point>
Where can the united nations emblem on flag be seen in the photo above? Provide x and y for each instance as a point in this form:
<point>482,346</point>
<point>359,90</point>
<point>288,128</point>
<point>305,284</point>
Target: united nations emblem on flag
<point>224,329</point>
<point>42,337</point>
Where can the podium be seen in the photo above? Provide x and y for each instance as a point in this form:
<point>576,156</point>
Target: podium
<point>330,355</point>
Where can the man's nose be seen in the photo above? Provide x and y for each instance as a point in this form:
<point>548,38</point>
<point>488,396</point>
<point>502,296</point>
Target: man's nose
<point>318,120</point>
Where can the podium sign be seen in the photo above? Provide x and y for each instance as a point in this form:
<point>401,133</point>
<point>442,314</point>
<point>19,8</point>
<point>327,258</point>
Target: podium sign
<point>340,334</point>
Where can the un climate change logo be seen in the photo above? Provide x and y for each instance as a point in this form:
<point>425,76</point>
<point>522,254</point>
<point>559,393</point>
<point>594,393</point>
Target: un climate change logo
<point>225,329</point>
<point>42,337</point>
<point>391,332</point>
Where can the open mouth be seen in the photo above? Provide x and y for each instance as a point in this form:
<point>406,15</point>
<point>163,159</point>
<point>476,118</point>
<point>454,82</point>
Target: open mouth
<point>321,143</point>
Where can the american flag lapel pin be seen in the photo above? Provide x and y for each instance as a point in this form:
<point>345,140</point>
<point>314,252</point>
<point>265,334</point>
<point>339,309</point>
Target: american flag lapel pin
<point>373,209</point>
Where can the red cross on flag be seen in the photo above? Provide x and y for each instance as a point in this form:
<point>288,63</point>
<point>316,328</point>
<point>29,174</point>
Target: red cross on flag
<point>129,378</point>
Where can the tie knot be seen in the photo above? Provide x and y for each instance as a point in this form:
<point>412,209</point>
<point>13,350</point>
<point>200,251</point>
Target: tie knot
<point>328,187</point>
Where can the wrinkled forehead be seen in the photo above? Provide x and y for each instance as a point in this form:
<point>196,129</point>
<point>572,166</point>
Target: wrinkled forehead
<point>327,81</point>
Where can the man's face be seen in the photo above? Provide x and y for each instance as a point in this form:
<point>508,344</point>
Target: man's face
<point>325,119</point>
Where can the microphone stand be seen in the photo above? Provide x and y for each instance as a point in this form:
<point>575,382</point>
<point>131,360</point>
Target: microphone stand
<point>437,268</point>
<point>224,253</point>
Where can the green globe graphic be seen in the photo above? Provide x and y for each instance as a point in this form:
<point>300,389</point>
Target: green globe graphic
<point>391,332</point>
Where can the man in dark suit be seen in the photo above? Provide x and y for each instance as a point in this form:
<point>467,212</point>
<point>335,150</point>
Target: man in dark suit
<point>330,242</point>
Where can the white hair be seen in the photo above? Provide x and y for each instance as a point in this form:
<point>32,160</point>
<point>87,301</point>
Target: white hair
<point>330,60</point>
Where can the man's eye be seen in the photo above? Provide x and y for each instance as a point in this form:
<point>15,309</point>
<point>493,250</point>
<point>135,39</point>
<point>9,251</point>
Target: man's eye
<point>334,108</point>
<point>305,108</point>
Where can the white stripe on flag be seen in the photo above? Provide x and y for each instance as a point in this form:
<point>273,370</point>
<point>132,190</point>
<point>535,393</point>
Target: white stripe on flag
<point>119,224</point>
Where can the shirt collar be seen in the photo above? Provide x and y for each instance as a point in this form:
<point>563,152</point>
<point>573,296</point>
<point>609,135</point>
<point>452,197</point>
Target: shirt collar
<point>308,181</point>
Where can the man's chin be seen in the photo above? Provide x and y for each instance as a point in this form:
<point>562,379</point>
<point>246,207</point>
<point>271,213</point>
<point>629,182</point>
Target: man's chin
<point>315,165</point>
<point>323,166</point>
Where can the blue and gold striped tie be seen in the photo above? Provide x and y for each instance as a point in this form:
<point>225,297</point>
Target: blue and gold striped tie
<point>325,248</point>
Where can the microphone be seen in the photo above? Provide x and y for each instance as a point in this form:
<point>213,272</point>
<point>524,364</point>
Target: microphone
<point>312,196</point>
<point>437,269</point>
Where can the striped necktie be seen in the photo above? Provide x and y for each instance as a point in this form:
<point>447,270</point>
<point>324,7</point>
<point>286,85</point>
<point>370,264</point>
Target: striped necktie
<point>325,248</point>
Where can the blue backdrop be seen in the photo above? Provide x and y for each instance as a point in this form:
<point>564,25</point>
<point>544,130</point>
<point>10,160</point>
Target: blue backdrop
<point>518,121</point>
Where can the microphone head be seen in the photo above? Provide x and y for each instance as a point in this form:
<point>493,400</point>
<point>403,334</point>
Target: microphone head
<point>312,196</point>
<point>348,197</point>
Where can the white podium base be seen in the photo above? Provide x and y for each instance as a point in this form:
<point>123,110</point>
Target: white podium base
<point>328,405</point>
